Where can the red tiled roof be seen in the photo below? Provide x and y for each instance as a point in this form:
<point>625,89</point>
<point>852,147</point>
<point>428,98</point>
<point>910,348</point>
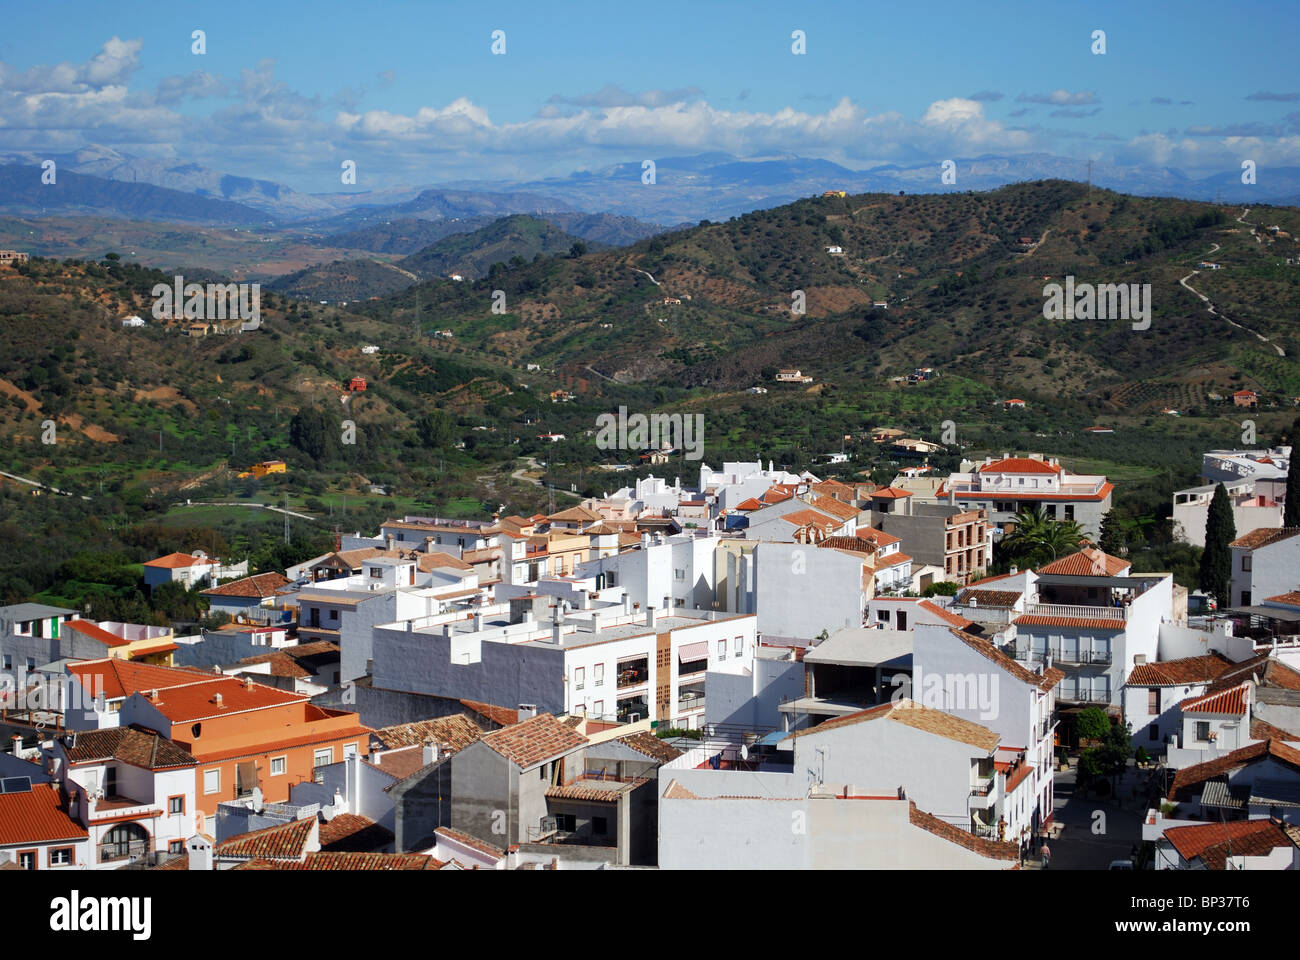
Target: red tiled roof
<point>349,833</point>
<point>1193,776</point>
<point>992,598</point>
<point>751,504</point>
<point>121,678</point>
<point>651,746</point>
<point>95,632</point>
<point>1229,701</point>
<point>344,860</point>
<point>952,619</point>
<point>912,714</point>
<point>460,836</point>
<point>1292,598</point>
<point>590,794</point>
<point>259,586</point>
<point>1018,465</point>
<point>505,716</point>
<point>284,841</point>
<point>197,701</point>
<point>174,561</point>
<point>534,741</point>
<point>1088,562</point>
<point>1044,681</point>
<point>1213,843</point>
<point>455,731</point>
<point>37,816</point>
<point>1090,623</point>
<point>993,849</point>
<point>136,746</point>
<point>890,493</point>
<point>1263,730</point>
<point>1186,670</point>
<point>1263,536</point>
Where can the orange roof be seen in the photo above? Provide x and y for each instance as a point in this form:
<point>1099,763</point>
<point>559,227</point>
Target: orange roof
<point>1018,465</point>
<point>1171,673</point>
<point>534,741</point>
<point>175,561</point>
<point>95,632</point>
<point>121,678</point>
<point>260,585</point>
<point>1044,681</point>
<point>1213,843</point>
<point>890,493</point>
<point>1189,777</point>
<point>1228,701</point>
<point>961,623</point>
<point>892,560</point>
<point>1292,598</point>
<point>37,816</point>
<point>881,538</point>
<point>1088,623</point>
<point>197,701</point>
<point>751,504</point>
<point>1088,562</point>
<point>284,841</point>
<point>1263,536</point>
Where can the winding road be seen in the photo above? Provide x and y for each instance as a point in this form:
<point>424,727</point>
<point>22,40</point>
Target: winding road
<point>1209,305</point>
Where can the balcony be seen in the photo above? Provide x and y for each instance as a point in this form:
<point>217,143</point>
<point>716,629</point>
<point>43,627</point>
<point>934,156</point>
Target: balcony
<point>1079,612</point>
<point>1060,655</point>
<point>633,673</point>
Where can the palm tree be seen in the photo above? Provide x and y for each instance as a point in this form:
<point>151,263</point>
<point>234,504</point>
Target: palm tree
<point>1037,540</point>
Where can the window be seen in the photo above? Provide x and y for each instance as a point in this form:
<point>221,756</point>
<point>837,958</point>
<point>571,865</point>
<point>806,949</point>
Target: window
<point>541,772</point>
<point>322,757</point>
<point>334,615</point>
<point>722,649</point>
<point>175,806</point>
<point>1245,563</point>
<point>579,678</point>
<point>598,675</point>
<point>27,859</point>
<point>211,781</point>
<point>679,574</point>
<point>175,846</point>
<point>278,766</point>
<point>1069,511</point>
<point>598,708</point>
<point>349,751</point>
<point>376,572</point>
<point>1153,701</point>
<point>196,730</point>
<point>599,826</point>
<point>8,662</point>
<point>31,664</point>
<point>902,620</point>
<point>1153,732</point>
<point>126,840</point>
<point>740,646</point>
<point>1202,730</point>
<point>566,822</point>
<point>61,857</point>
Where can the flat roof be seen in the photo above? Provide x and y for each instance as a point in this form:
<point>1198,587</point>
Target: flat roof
<point>862,646</point>
<point>1273,613</point>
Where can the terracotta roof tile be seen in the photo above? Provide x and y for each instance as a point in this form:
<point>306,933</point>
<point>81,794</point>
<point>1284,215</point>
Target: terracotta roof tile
<point>1263,536</point>
<point>349,833</point>
<point>343,860</point>
<point>1229,701</point>
<point>259,586</point>
<point>948,617</point>
<point>992,598</point>
<point>121,678</point>
<point>578,790</point>
<point>456,731</point>
<point>1018,465</point>
<point>136,746</point>
<point>992,849</point>
<point>1045,681</point>
<point>198,701</point>
<point>1088,562</point>
<point>912,714</point>
<point>534,741</point>
<point>1292,598</point>
<point>176,561</point>
<point>500,715</point>
<point>284,841</point>
<point>1213,843</point>
<point>469,840</point>
<point>1189,779</point>
<point>1186,670</point>
<point>650,745</point>
<point>37,816</point>
<point>1263,730</point>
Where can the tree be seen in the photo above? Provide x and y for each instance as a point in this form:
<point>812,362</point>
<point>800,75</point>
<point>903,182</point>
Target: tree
<point>312,432</point>
<point>435,430</point>
<point>1112,537</point>
<point>1092,723</point>
<point>1216,559</point>
<point>577,250</point>
<point>1291,509</point>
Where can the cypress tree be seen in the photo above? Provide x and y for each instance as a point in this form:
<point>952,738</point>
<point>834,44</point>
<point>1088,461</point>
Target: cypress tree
<point>1216,559</point>
<point>1291,509</point>
<point>1112,537</point>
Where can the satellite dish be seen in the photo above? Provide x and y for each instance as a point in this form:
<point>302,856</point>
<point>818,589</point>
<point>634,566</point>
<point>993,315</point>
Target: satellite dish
<point>744,751</point>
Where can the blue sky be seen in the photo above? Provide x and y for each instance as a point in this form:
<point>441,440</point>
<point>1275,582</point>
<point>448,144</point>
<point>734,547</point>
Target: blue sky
<point>412,92</point>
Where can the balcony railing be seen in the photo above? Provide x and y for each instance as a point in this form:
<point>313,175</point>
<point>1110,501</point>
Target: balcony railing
<point>1059,654</point>
<point>1078,611</point>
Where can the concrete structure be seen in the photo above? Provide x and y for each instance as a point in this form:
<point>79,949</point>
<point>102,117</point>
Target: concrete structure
<point>957,540</point>
<point>1265,563</point>
<point>1007,485</point>
<point>1254,505</point>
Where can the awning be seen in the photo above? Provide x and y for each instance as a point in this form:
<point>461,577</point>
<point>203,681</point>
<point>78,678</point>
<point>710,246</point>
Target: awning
<point>693,651</point>
<point>245,776</point>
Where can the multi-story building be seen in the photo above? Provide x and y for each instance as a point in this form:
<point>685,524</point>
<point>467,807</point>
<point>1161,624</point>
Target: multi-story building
<point>1265,564</point>
<point>1004,487</point>
<point>1254,506</point>
<point>948,536</point>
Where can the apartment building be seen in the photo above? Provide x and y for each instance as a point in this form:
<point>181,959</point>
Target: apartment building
<point>1254,505</point>
<point>1004,486</point>
<point>953,538</point>
<point>1264,564</point>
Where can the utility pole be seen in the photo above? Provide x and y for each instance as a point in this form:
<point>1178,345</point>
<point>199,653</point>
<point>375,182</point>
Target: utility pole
<point>286,518</point>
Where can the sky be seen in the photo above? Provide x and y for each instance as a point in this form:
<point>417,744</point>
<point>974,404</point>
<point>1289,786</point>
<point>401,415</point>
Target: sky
<point>412,92</point>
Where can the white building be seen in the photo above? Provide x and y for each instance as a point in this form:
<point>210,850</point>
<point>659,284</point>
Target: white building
<point>1007,485</point>
<point>1254,505</point>
<point>1265,563</point>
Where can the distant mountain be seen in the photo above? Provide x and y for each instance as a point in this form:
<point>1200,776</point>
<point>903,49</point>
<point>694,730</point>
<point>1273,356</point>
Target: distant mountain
<point>470,255</point>
<point>22,192</point>
<point>405,235</point>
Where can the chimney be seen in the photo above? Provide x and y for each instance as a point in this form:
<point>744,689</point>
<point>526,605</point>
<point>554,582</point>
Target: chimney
<point>1014,570</point>
<point>650,615</point>
<point>153,696</point>
<point>627,604</point>
<point>1139,658</point>
<point>446,631</point>
<point>430,752</point>
<point>200,851</point>
<point>557,630</point>
<point>645,539</point>
<point>217,699</point>
<point>478,622</point>
<point>388,541</point>
<point>428,544</point>
<point>17,745</point>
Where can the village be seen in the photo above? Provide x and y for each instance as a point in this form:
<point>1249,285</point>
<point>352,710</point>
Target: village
<point>671,674</point>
